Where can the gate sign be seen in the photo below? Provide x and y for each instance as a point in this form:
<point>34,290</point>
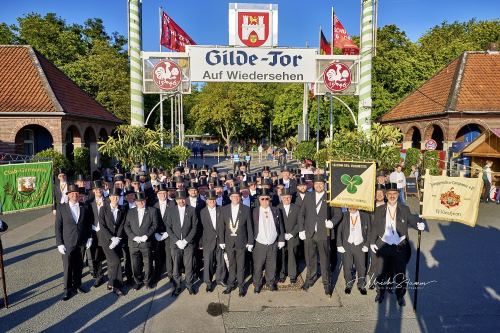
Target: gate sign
<point>430,144</point>
<point>167,75</point>
<point>253,25</point>
<point>337,77</point>
<point>245,64</point>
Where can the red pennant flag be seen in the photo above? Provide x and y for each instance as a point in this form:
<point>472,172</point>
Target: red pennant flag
<point>172,36</point>
<point>324,46</point>
<point>342,40</point>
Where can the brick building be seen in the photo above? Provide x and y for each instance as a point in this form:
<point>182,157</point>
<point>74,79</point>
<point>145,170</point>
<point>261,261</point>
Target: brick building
<point>454,107</point>
<point>40,108</point>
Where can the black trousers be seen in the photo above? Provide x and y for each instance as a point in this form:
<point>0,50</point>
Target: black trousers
<point>73,267</point>
<point>95,257</point>
<point>264,257</point>
<point>486,190</point>
<point>114,265</point>
<point>374,267</point>
<point>183,257</point>
<point>213,260</point>
<point>287,261</point>
<point>392,265</point>
<point>163,259</point>
<point>236,258</point>
<point>142,259</point>
<point>315,246</point>
<point>354,255</point>
<point>127,261</point>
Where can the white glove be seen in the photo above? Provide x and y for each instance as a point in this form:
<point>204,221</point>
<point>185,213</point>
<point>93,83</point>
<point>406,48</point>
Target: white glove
<point>157,237</point>
<point>94,228</point>
<point>180,244</point>
<point>374,248</point>
<point>61,249</point>
<point>116,240</point>
<point>302,235</point>
<point>144,238</point>
<point>113,245</point>
<point>288,236</point>
<point>222,246</point>
<point>364,249</point>
<point>281,245</point>
<point>421,226</point>
<point>340,249</point>
<point>54,212</point>
<point>89,243</point>
<point>329,224</point>
<point>185,243</point>
<point>164,235</point>
<point>249,247</point>
<point>137,239</point>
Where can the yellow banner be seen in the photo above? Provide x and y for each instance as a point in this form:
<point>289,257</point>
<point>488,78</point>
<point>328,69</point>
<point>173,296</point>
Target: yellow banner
<point>453,199</point>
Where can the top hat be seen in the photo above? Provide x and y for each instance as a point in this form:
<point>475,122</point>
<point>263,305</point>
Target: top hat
<point>180,194</point>
<point>380,187</point>
<point>139,196</point>
<point>213,169</point>
<point>72,188</point>
<point>171,185</point>
<point>233,190</point>
<point>128,175</point>
<point>265,192</point>
<point>136,178</point>
<point>285,169</point>
<point>162,187</point>
<point>319,178</point>
<point>129,189</point>
<point>192,185</point>
<point>309,177</point>
<point>115,191</point>
<point>229,176</point>
<point>202,182</point>
<point>266,168</point>
<point>301,181</point>
<point>380,173</point>
<point>266,181</point>
<point>286,191</point>
<point>80,177</point>
<point>251,180</point>
<point>179,179</point>
<point>218,183</point>
<point>153,170</point>
<point>61,171</point>
<point>211,195</point>
<point>82,190</point>
<point>96,184</point>
<point>391,187</point>
<point>274,174</point>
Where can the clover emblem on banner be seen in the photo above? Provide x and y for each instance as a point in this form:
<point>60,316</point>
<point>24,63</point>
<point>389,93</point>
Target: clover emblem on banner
<point>351,183</point>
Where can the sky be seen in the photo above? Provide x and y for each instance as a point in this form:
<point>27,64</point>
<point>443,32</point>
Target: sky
<point>299,20</point>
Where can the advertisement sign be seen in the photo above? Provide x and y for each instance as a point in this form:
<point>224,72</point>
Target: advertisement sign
<point>238,64</point>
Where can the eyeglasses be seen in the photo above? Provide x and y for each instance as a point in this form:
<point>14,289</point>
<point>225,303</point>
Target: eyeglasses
<point>264,199</point>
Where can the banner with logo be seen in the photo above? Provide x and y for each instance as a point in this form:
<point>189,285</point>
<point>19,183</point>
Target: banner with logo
<point>253,24</point>
<point>246,64</point>
<point>172,36</point>
<point>25,186</point>
<point>453,199</point>
<point>352,184</point>
<point>341,39</point>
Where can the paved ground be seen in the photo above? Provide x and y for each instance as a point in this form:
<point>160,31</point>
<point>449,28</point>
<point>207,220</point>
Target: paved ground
<point>459,263</point>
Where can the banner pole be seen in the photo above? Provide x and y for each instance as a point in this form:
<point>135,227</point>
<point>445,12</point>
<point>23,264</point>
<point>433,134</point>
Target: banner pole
<point>417,266</point>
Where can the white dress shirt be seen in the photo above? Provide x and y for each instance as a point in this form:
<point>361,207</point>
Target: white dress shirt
<point>64,196</point>
<point>319,196</point>
<point>287,209</point>
<point>355,233</point>
<point>75,210</point>
<point>140,212</point>
<point>114,210</point>
<point>163,207</point>
<point>193,201</point>
<point>267,229</point>
<point>182,211</point>
<point>213,216</point>
<point>234,212</point>
<point>286,183</point>
<point>391,235</point>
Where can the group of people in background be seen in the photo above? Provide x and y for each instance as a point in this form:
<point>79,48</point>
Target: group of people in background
<point>222,227</point>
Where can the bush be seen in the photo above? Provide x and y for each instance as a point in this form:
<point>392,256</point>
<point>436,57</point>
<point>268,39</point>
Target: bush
<point>59,160</point>
<point>321,157</point>
<point>81,163</point>
<point>413,157</point>
<point>180,154</point>
<point>431,162</point>
<point>305,150</point>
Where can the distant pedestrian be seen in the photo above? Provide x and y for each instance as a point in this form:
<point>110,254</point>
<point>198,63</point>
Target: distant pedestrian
<point>399,178</point>
<point>261,151</point>
<point>487,180</point>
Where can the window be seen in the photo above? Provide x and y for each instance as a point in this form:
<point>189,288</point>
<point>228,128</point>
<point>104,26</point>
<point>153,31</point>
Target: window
<point>29,142</point>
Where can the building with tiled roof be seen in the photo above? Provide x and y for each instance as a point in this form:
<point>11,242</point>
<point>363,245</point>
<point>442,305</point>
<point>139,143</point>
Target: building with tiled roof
<point>453,107</point>
<point>40,107</point>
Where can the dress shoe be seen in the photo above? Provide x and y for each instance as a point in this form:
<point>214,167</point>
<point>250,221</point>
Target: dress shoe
<point>242,292</point>
<point>293,281</point>
<point>257,290</point>
<point>273,287</point>
<point>328,291</point>
<point>210,287</point>
<point>347,290</point>
<point>67,295</point>
<point>379,298</point>
<point>137,286</point>
<point>282,279</point>
<point>305,286</point>
<point>176,292</point>
<point>401,301</point>
<point>118,292</point>
<point>98,282</point>
<point>109,287</point>
<point>372,286</point>
<point>362,291</point>
<point>191,290</point>
<point>228,290</point>
<point>81,290</point>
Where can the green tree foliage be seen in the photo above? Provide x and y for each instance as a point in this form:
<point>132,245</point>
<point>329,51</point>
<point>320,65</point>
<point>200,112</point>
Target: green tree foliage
<point>413,157</point>
<point>305,150</point>
<point>381,146</point>
<point>81,163</point>
<point>59,160</point>
<point>431,162</point>
<point>7,37</point>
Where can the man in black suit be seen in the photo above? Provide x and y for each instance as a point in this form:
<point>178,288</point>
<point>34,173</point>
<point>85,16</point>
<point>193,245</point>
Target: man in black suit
<point>73,236</point>
<point>288,181</point>
<point>352,242</point>
<point>316,226</point>
<point>140,225</point>
<point>236,236</point>
<point>163,253</point>
<point>269,239</point>
<point>213,255</point>
<point>111,217</point>
<point>290,214</point>
<point>300,195</point>
<point>222,199</point>
<point>389,240</point>
<point>182,224</point>
<point>95,254</point>
<point>198,204</point>
<point>60,188</point>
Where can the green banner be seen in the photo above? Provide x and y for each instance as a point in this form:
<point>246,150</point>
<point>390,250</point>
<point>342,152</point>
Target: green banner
<point>25,186</point>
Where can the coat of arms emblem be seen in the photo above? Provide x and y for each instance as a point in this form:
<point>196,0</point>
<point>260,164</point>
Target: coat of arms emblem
<point>450,199</point>
<point>253,28</point>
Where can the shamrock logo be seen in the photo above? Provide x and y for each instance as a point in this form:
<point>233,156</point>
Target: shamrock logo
<point>351,183</point>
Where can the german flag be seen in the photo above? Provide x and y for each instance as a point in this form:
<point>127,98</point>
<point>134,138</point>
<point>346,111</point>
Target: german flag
<point>324,46</point>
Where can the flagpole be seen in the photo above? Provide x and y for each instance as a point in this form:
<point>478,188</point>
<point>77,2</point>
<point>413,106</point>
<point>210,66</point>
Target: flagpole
<point>333,30</point>
<point>417,266</point>
<point>160,10</point>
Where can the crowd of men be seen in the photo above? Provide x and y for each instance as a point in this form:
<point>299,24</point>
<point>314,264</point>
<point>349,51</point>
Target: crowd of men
<point>223,227</point>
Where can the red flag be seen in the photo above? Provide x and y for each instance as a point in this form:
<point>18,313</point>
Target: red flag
<point>172,36</point>
<point>324,46</point>
<point>342,40</point>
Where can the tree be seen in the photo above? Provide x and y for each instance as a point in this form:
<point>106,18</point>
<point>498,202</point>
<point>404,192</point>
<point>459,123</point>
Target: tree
<point>81,162</point>
<point>7,36</point>
<point>229,110</point>
<point>59,161</point>
<point>413,157</point>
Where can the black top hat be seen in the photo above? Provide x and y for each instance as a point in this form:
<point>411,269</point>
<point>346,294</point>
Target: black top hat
<point>202,182</point>
<point>241,173</point>
<point>286,191</point>
<point>202,173</point>
<point>193,166</point>
<point>96,184</point>
<point>171,185</point>
<point>319,178</point>
<point>229,176</point>
<point>128,175</point>
<point>180,194</point>
<point>243,186</point>
<point>153,170</point>
<point>265,192</point>
<point>381,173</point>
<point>233,190</point>
<point>213,169</point>
<point>258,174</point>
<point>192,185</point>
<point>251,180</point>
<point>140,196</point>
<point>274,174</point>
<point>309,176</point>
<point>179,179</point>
<point>82,190</point>
<point>266,181</point>
<point>218,183</point>
<point>205,167</point>
<point>391,187</point>
<point>285,169</point>
<point>280,182</point>
<point>115,191</point>
<point>192,176</point>
<point>211,195</point>
<point>129,189</point>
<point>266,168</point>
<point>301,181</point>
<point>80,177</point>
<point>380,187</point>
<point>162,187</point>
<point>61,171</point>
<point>72,188</point>
<point>136,178</point>
<point>160,169</point>
<point>244,163</point>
